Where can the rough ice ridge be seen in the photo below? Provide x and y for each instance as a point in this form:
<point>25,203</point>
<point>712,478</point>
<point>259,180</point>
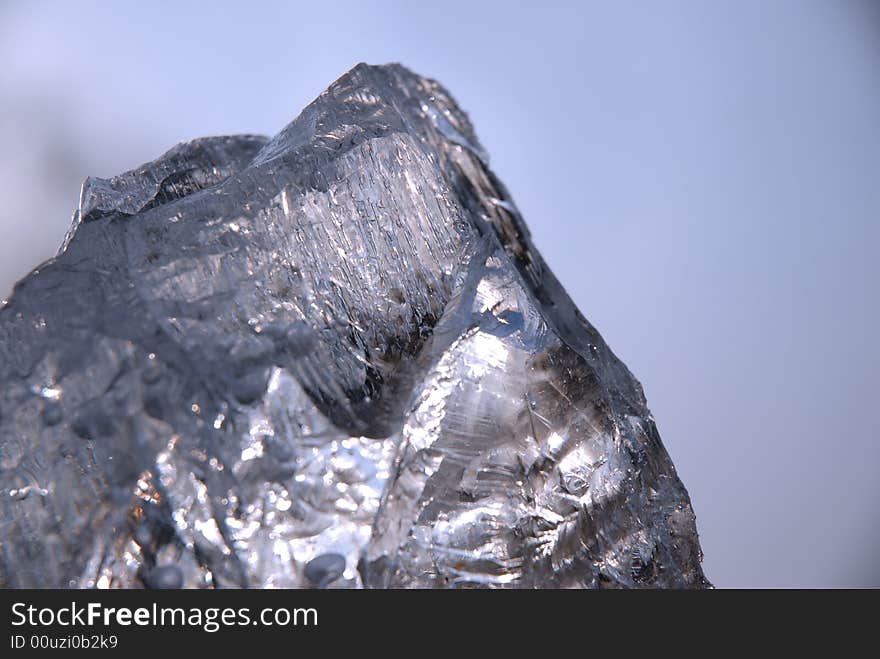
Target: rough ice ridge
<point>332,358</point>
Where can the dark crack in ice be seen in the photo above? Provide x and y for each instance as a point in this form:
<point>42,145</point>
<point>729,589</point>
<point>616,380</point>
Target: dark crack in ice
<point>332,358</point>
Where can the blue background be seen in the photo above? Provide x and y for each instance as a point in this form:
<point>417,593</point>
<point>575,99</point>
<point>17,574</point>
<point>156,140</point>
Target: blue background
<point>702,177</point>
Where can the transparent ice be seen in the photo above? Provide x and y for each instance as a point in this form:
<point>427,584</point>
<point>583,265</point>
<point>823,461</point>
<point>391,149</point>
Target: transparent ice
<point>332,358</point>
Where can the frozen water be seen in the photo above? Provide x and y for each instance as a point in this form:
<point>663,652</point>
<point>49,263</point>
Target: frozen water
<point>330,358</point>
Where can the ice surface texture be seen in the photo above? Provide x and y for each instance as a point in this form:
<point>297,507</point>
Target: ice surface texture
<point>332,358</point>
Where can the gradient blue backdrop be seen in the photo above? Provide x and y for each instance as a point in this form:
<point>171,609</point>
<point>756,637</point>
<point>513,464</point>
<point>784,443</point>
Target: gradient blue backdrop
<point>702,177</point>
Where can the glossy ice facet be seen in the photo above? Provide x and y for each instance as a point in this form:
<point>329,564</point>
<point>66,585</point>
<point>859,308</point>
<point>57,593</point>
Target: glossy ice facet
<point>333,358</point>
